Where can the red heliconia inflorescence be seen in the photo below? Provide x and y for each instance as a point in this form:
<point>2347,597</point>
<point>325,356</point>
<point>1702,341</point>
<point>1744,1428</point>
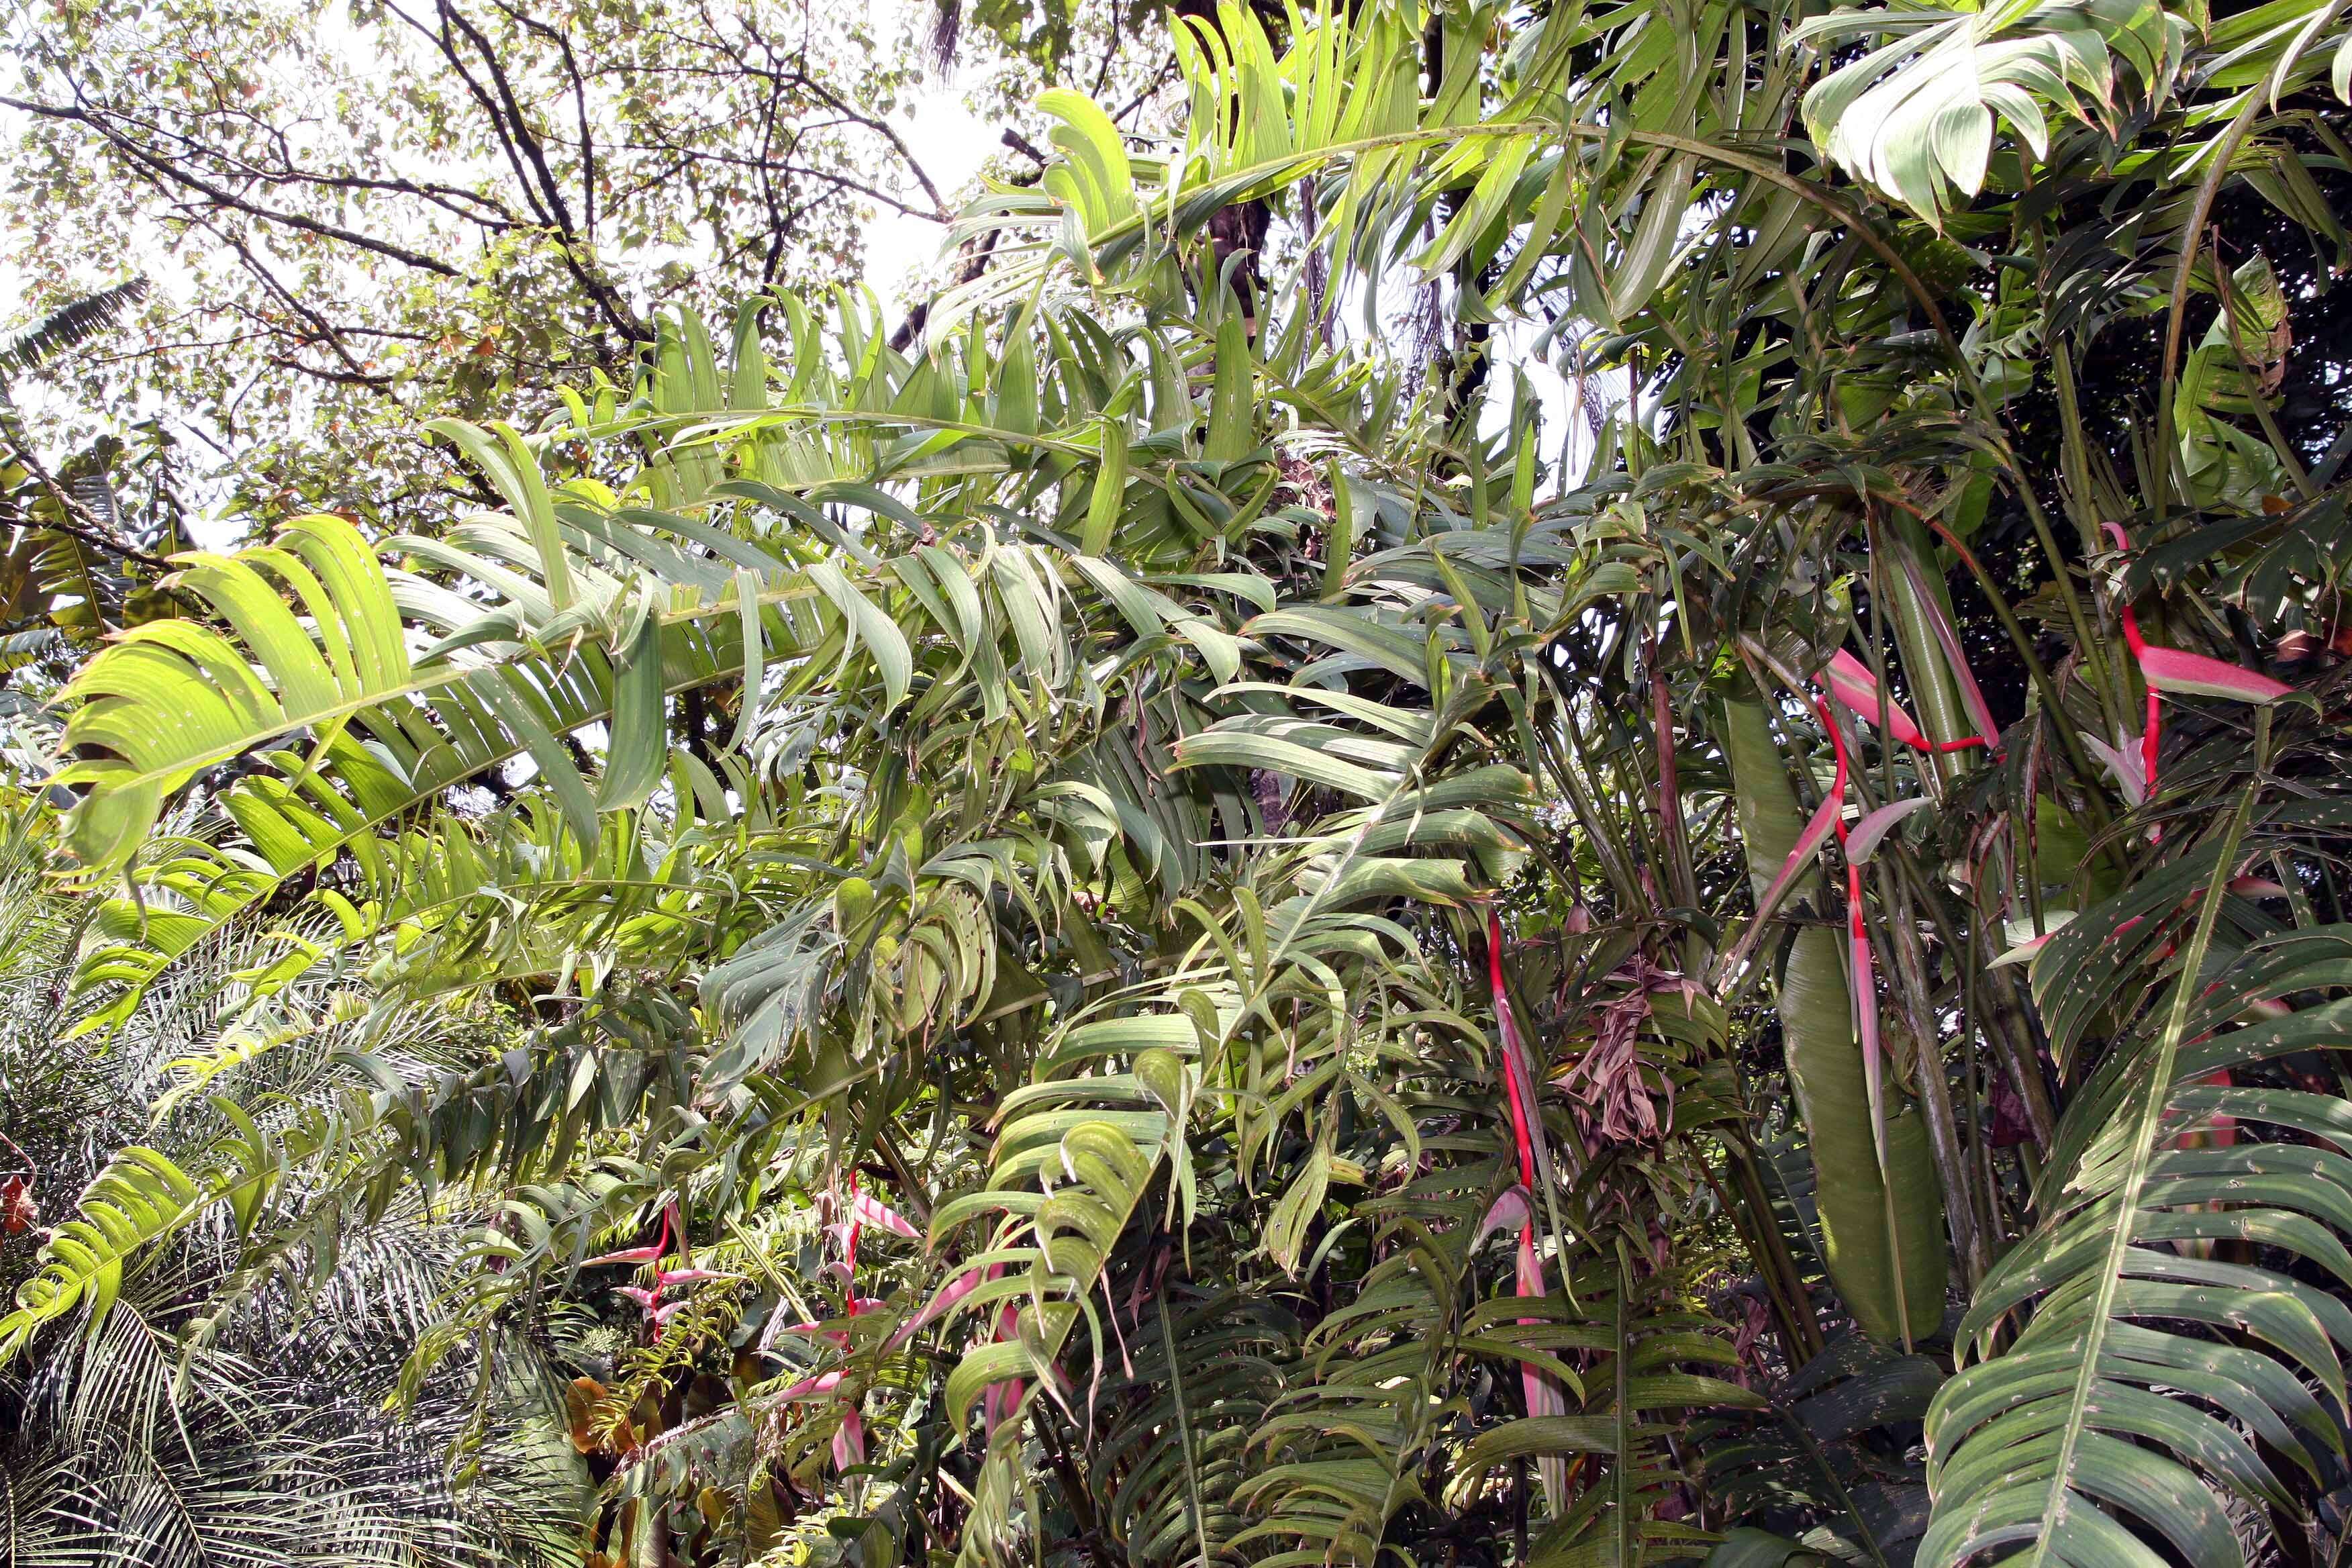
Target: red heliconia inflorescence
<point>1543,1394</point>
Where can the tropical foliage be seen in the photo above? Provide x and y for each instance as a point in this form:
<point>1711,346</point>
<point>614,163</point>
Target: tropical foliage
<point>1165,927</point>
<point>270,1440</point>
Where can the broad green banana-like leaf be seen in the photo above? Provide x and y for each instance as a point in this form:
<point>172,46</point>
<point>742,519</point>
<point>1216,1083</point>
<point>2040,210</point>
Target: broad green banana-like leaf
<point>1882,1232</point>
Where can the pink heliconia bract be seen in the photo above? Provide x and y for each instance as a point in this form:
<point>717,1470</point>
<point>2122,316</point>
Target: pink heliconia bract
<point>1002,1401</point>
<point>849,1437</point>
<point>858,1307</point>
<point>654,1252</point>
<point>1851,683</point>
<point>1518,1072</point>
<point>1864,978</point>
<point>1514,1209</point>
<point>1543,1391</point>
<point>1543,1394</point>
<point>849,1440</point>
<point>1827,818</point>
<point>1850,686</point>
<point>2169,669</point>
<point>633,1255</point>
<point>864,1207</point>
<point>822,1383</point>
<point>963,1284</point>
<point>1862,838</point>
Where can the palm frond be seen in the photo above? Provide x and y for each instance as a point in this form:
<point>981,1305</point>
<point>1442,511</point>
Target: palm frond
<point>70,326</point>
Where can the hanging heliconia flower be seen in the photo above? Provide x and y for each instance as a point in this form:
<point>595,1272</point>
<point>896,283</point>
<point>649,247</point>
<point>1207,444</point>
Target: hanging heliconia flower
<point>672,1225</point>
<point>1001,1399</point>
<point>849,1437</point>
<point>1853,689</point>
<point>1543,1394</point>
<point>648,1298</point>
<point>2180,674</point>
<point>1851,684</point>
<point>2165,671</point>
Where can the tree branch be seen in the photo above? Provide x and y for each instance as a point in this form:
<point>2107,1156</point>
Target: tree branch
<point>163,170</point>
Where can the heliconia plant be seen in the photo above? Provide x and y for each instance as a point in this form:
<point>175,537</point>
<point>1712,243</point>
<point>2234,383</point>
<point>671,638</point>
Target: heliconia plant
<point>1876,1193</point>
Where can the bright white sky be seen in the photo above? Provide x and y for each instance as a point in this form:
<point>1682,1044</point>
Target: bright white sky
<point>951,143</point>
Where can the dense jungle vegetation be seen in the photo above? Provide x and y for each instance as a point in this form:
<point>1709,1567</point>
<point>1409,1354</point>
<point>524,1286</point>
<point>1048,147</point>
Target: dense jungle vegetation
<point>1552,783</point>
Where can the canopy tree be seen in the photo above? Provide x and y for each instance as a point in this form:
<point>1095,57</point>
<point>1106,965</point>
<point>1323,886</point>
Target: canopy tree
<point>366,217</point>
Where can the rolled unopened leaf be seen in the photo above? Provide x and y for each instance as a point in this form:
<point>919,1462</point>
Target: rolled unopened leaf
<point>1953,655</point>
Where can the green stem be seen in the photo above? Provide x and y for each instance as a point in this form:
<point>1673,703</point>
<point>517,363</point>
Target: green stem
<point>2225,151</point>
<point>1184,1432</point>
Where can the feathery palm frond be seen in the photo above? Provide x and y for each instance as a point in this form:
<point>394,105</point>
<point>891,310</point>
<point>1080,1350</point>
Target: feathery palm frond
<point>70,326</point>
